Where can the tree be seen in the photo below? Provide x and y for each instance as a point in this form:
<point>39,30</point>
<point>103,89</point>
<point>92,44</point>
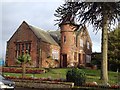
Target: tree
<point>114,49</point>
<point>100,14</point>
<point>23,60</point>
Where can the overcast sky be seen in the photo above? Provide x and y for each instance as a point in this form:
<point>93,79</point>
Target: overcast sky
<point>39,13</point>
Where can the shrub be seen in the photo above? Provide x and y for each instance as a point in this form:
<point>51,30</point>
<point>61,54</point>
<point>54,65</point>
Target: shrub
<point>77,76</point>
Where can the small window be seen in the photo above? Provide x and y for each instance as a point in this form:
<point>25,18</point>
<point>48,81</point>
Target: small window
<point>64,39</point>
<point>17,46</point>
<point>55,54</point>
<point>88,45</point>
<point>88,59</point>
<point>28,47</point>
<point>81,42</point>
<point>22,49</point>
<point>17,50</point>
<point>75,55</point>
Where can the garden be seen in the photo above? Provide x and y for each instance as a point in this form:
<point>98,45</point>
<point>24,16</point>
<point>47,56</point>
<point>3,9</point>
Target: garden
<point>92,77</point>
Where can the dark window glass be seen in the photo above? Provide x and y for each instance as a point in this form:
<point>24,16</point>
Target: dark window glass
<point>28,47</point>
<point>17,50</point>
<point>64,40</point>
<point>75,55</point>
<point>21,48</point>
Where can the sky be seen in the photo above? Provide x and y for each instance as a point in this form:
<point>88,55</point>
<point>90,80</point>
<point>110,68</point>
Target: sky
<point>38,13</point>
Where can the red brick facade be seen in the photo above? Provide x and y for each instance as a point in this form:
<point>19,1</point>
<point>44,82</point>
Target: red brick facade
<point>74,52</point>
<point>40,50</point>
<point>73,48</point>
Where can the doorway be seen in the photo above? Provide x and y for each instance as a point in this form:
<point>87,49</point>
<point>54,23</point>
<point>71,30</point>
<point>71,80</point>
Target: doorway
<point>64,60</point>
<point>79,58</point>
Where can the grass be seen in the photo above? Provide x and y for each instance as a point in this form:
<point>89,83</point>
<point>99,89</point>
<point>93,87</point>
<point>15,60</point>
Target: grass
<point>92,75</point>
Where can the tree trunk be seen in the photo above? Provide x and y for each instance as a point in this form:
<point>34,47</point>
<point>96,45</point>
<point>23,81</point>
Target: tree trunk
<point>104,64</point>
<point>23,69</point>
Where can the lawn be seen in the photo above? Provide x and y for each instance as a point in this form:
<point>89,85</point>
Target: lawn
<point>92,75</point>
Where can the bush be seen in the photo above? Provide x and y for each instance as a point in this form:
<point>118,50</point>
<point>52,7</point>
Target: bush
<point>77,76</point>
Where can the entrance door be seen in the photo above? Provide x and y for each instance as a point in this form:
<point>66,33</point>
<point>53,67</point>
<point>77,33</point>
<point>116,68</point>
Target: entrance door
<point>64,60</point>
<point>79,58</point>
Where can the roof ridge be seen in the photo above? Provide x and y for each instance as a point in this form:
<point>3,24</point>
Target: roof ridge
<point>37,27</point>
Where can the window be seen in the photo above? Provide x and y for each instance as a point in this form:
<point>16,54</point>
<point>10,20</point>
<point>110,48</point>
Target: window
<point>64,39</point>
<point>21,48</point>
<point>28,47</point>
<point>17,46</point>
<point>88,45</point>
<point>17,50</point>
<point>75,55</point>
<point>55,54</point>
<point>88,59</point>
<point>81,42</point>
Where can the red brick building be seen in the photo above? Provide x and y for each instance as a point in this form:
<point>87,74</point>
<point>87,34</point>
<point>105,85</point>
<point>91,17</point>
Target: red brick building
<point>76,45</point>
<point>68,47</point>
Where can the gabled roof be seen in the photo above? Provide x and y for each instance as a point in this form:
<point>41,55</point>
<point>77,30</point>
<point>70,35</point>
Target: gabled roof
<point>43,35</point>
<point>52,37</point>
<point>83,29</point>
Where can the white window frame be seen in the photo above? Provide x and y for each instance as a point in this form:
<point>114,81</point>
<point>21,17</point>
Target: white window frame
<point>55,54</point>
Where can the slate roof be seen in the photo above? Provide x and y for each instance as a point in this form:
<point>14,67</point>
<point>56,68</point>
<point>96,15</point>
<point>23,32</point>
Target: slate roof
<point>55,35</point>
<point>43,35</point>
<point>52,37</point>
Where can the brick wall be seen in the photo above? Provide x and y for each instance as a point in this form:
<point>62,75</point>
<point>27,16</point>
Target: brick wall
<point>71,52</point>
<point>47,57</point>
<point>40,50</point>
<point>23,34</point>
<point>68,46</point>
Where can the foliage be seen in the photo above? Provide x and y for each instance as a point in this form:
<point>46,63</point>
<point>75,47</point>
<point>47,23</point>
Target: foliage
<point>96,59</point>
<point>77,76</point>
<point>60,73</point>
<point>100,14</point>
<point>114,49</point>
<point>23,60</point>
<point>91,12</point>
<point>26,58</point>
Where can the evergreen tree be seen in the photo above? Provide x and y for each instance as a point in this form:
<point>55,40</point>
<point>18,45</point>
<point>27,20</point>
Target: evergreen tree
<point>23,60</point>
<point>100,14</point>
